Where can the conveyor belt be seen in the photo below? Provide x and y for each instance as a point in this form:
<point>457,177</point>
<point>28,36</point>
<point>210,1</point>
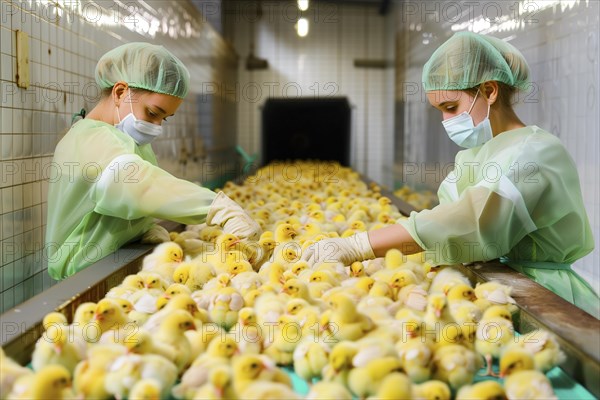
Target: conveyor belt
<point>577,331</point>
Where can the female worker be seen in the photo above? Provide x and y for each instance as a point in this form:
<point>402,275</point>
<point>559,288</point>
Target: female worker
<point>106,187</point>
<point>514,192</point>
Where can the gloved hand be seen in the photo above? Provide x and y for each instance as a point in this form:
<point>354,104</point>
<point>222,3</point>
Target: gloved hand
<point>156,235</point>
<point>227,214</point>
<point>345,250</point>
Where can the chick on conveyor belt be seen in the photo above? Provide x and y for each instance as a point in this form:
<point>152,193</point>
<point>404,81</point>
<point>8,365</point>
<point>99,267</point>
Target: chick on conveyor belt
<point>230,317</point>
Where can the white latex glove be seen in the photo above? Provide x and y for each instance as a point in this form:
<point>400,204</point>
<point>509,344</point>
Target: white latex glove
<point>156,235</point>
<point>228,214</point>
<point>345,250</point>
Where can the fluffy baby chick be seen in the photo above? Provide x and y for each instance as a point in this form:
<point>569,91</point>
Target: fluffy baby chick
<point>141,342</point>
<point>56,347</point>
<point>194,275</point>
<point>492,335</point>
<point>432,390</point>
<point>269,391</point>
<point>224,307</point>
<point>247,333</point>
<point>172,333</point>
<point>126,370</point>
<point>366,381</point>
<point>145,389</point>
<point>344,321</point>
<point>528,385</point>
<point>10,372</point>
<point>219,385</point>
<point>515,358</point>
<point>544,347</point>
<point>486,390</point>
<point>455,364</point>
<point>282,341</point>
<point>310,357</point>
<point>494,293</point>
<point>90,374</point>
<point>250,368</point>
<point>54,318</point>
<point>84,313</point>
<point>50,382</point>
<point>109,315</point>
<point>446,278</point>
<point>219,353</point>
<point>130,285</point>
<point>163,259</point>
<point>394,386</point>
<point>340,362</point>
<point>178,302</point>
<point>328,390</point>
<point>415,355</point>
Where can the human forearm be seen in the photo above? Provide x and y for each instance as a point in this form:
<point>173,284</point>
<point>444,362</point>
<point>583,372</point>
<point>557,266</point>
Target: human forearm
<point>393,237</point>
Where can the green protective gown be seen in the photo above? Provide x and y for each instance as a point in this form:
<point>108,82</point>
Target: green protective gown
<point>517,197</point>
<point>104,191</point>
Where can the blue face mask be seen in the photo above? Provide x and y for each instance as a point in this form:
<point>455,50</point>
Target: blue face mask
<point>463,131</point>
<point>142,132</point>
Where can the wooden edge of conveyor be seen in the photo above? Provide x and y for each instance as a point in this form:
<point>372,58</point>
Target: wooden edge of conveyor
<point>577,332</point>
<point>22,325</point>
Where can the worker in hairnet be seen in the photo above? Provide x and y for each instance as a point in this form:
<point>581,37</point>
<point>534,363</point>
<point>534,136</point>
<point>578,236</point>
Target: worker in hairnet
<point>106,188</point>
<point>514,193</point>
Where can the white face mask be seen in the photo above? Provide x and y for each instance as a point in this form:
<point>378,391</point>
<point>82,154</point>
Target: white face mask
<point>463,131</point>
<point>143,132</point>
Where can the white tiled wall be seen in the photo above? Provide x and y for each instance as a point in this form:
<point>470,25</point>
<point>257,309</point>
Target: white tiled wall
<point>322,63</point>
<point>559,39</point>
<point>66,38</point>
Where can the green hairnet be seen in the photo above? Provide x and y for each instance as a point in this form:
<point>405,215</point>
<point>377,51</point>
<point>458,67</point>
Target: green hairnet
<point>468,59</point>
<point>143,66</point>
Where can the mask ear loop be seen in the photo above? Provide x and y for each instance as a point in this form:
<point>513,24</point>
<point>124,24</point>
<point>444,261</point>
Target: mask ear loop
<point>473,103</point>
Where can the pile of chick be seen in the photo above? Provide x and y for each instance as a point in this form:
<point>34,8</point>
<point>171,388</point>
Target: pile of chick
<point>213,317</point>
<point>420,200</point>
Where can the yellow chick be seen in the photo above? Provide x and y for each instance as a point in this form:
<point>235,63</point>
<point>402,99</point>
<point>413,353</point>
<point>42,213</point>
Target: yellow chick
<point>494,293</point>
<point>247,333</point>
<point>455,364</point>
<point>109,315</point>
<point>50,382</point>
<point>130,285</point>
<point>281,342</point>
<point>84,314</point>
<point>218,353</point>
<point>528,385</point>
<point>54,318</point>
<point>56,346</point>
<point>432,390</point>
<point>310,357</point>
<point>357,269</point>
<point>175,289</point>
<point>492,335</point>
<point>415,355</point>
<point>126,370</point>
<point>285,233</point>
<point>328,390</point>
<point>250,368</point>
<point>544,347</point>
<point>219,385</point>
<point>394,386</point>
<point>145,389</point>
<point>265,390</point>
<point>224,307</point>
<point>343,321</point>
<point>178,302</point>
<point>485,390</point>
<point>163,259</point>
<point>515,358</point>
<point>447,277</point>
<point>10,372</point>
<point>192,274</point>
<point>366,381</point>
<point>172,333</point>
<point>140,341</point>
<point>90,374</point>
